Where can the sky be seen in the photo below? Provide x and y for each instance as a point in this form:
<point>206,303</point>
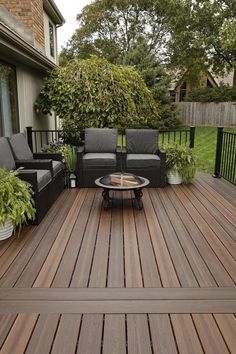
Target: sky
<point>69,10</point>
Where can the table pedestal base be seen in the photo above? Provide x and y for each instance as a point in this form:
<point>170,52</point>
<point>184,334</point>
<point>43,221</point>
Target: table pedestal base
<point>137,193</point>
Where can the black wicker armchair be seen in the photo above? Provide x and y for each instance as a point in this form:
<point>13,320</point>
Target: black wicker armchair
<point>143,157</point>
<point>38,173</point>
<point>99,156</point>
<point>48,161</point>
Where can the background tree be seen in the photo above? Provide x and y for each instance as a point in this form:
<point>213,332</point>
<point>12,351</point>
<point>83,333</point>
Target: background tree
<point>156,79</point>
<point>109,28</point>
<point>96,93</point>
<point>203,36</point>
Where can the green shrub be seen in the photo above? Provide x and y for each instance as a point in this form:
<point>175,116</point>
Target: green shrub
<point>182,160</point>
<point>96,93</point>
<point>215,94</point>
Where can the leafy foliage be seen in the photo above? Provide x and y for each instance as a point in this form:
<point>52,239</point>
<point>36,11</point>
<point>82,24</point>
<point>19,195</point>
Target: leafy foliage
<point>181,159</point>
<point>203,36</point>
<point>156,79</point>
<point>215,94</point>
<point>110,28</point>
<point>96,93</point>
<point>70,133</point>
<point>70,158</point>
<point>128,32</point>
<point>16,202</point>
<point>69,153</point>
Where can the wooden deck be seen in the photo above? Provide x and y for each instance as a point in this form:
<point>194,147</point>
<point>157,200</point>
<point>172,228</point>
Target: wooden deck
<point>160,280</point>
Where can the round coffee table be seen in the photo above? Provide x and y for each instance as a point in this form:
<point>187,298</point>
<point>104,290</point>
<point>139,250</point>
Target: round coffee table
<point>122,182</point>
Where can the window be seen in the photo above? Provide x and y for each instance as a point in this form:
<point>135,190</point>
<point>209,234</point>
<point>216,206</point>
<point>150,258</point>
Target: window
<point>209,84</point>
<point>9,123</point>
<point>183,91</point>
<point>172,95</point>
<point>51,40</point>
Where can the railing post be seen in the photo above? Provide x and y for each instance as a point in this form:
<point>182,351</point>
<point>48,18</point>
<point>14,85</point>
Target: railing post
<point>192,137</point>
<point>218,152</point>
<point>29,137</point>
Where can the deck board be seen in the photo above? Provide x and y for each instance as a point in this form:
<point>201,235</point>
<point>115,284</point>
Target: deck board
<point>66,337</point>
<point>114,340</point>
<point>158,280</point>
<point>209,334</point>
<point>162,335</point>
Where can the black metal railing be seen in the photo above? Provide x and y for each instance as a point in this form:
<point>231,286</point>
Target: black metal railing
<point>184,137</point>
<point>37,139</point>
<point>225,161</point>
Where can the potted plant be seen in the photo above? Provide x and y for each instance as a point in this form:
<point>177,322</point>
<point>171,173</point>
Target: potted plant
<point>180,164</point>
<point>16,202</point>
<point>70,158</point>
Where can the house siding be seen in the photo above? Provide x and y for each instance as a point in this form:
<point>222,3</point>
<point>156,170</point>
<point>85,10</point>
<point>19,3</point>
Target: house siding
<point>25,45</point>
<point>29,83</point>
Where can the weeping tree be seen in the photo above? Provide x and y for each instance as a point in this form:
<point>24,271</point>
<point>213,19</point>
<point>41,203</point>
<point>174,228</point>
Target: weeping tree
<point>96,93</point>
<point>129,32</point>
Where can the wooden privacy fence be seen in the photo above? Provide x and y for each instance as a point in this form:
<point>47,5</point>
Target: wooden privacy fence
<point>208,114</point>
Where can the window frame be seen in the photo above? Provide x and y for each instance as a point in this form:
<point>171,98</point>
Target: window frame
<point>15,93</point>
<point>51,39</point>
<point>183,91</point>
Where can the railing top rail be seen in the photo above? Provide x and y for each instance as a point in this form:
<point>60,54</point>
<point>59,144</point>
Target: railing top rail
<point>46,130</point>
<point>173,130</point>
<point>122,130</point>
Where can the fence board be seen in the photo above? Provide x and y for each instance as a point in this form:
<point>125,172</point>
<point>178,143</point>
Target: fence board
<point>208,114</point>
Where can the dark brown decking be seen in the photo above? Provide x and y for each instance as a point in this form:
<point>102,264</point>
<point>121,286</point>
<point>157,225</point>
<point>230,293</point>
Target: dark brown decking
<point>160,280</point>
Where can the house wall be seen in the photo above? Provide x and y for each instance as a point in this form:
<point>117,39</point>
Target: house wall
<point>37,26</point>
<point>30,13</point>
<point>29,83</point>
<point>201,81</point>
<point>29,21</point>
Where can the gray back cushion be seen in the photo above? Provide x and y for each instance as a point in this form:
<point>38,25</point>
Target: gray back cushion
<point>141,141</point>
<point>6,157</point>
<point>100,140</point>
<point>20,147</point>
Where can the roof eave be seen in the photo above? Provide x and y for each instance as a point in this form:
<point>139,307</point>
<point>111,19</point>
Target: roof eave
<point>26,52</point>
<point>53,11</point>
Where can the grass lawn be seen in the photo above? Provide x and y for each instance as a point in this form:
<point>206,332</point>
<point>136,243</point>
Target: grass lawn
<point>205,147</point>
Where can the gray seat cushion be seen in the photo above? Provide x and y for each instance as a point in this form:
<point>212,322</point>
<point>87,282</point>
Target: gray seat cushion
<point>43,177</point>
<point>100,140</point>
<point>99,160</point>
<point>57,167</point>
<point>6,157</point>
<point>141,141</point>
<point>20,148</point>
<point>142,160</point>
